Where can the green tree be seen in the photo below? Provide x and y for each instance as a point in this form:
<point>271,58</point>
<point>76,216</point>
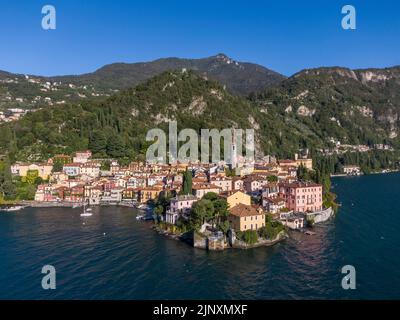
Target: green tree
<point>98,143</point>
<point>202,211</point>
<point>158,211</point>
<point>163,200</point>
<point>250,236</point>
<point>105,165</point>
<point>57,166</point>
<point>220,206</point>
<point>7,187</point>
<point>38,180</point>
<point>224,226</point>
<point>31,176</point>
<point>302,173</point>
<point>230,172</point>
<point>212,196</point>
<point>272,179</point>
<point>116,146</point>
<point>9,190</point>
<point>271,229</point>
<point>221,211</point>
<point>187,182</point>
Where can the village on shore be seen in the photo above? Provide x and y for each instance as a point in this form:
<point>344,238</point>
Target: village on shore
<point>223,208</point>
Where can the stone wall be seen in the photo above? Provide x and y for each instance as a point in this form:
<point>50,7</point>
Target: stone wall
<point>199,241</point>
<point>209,243</point>
<point>216,244</point>
<point>238,244</point>
<point>321,216</point>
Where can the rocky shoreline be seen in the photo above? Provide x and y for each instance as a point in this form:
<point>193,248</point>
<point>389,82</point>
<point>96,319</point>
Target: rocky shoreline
<point>209,242</point>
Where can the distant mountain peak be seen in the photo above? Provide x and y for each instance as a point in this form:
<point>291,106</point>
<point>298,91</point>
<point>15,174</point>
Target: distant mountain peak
<point>239,78</point>
<point>225,59</point>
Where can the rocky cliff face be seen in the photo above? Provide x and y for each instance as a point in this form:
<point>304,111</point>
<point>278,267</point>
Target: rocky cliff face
<point>341,102</point>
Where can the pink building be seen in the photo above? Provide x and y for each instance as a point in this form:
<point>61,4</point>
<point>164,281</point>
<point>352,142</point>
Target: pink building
<point>44,193</point>
<point>182,203</point>
<point>179,205</point>
<point>302,196</point>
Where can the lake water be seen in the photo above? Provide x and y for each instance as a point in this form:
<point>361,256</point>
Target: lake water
<point>112,256</point>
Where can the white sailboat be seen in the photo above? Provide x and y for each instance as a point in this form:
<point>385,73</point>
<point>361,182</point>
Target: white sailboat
<point>86,212</point>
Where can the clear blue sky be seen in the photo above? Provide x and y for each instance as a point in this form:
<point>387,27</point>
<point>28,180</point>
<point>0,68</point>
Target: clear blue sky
<point>283,35</point>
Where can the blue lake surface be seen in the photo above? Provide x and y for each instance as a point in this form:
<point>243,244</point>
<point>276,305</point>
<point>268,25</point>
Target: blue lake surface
<point>112,256</point>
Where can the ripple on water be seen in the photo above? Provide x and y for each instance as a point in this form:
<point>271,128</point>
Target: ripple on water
<point>112,256</point>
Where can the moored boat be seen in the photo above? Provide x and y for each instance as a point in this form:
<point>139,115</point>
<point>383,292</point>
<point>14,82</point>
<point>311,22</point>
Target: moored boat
<point>12,209</point>
<point>86,212</point>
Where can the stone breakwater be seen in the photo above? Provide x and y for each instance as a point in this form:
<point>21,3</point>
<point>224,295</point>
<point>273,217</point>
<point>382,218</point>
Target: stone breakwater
<point>321,216</point>
<point>212,243</point>
<point>221,243</point>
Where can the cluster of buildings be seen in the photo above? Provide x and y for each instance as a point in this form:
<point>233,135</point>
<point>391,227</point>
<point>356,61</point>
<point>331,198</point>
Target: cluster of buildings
<point>273,186</point>
<point>12,114</point>
<point>49,93</point>
<point>340,148</point>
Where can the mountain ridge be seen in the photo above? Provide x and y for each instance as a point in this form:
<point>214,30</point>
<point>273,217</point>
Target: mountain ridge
<point>30,92</point>
<point>219,67</point>
<point>26,91</point>
<point>194,101</point>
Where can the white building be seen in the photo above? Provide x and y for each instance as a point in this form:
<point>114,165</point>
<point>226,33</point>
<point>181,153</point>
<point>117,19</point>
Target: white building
<point>352,170</point>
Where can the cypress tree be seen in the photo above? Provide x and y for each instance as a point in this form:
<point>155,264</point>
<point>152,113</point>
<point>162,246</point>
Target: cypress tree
<point>187,182</point>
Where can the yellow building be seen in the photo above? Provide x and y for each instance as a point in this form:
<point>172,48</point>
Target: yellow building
<point>307,163</point>
<point>244,217</point>
<point>21,169</point>
<point>238,197</point>
<point>149,193</point>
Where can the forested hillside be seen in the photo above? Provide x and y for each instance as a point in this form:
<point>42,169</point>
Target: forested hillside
<point>313,110</point>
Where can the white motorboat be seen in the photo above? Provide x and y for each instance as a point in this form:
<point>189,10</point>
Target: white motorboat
<point>86,212</point>
<point>12,209</point>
